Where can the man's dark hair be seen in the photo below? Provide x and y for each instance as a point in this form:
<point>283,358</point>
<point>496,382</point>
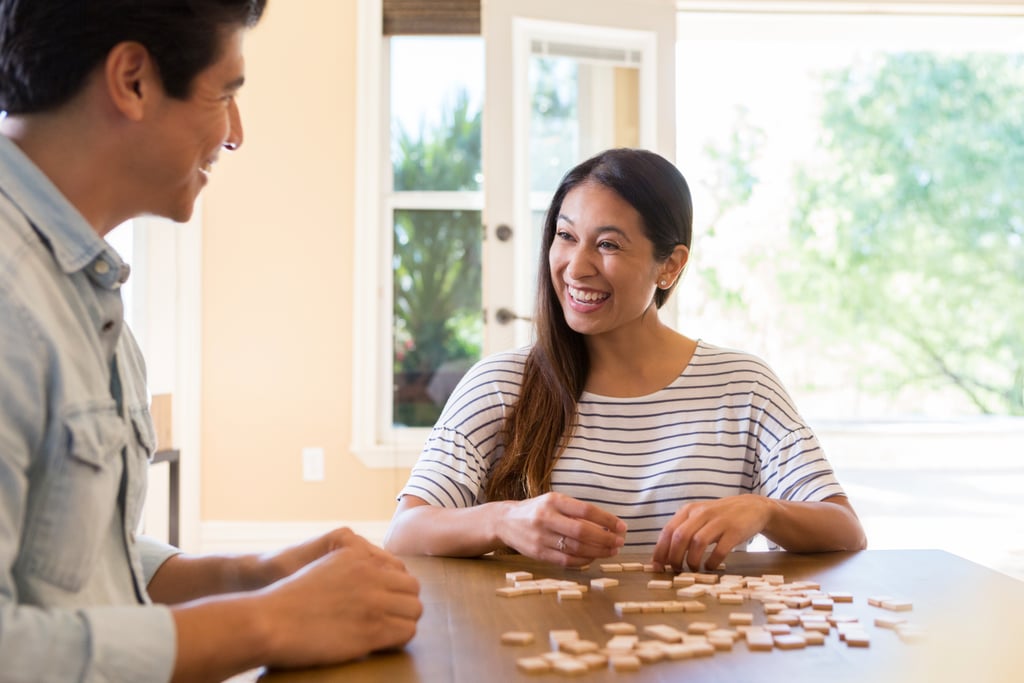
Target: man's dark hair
<point>49,47</point>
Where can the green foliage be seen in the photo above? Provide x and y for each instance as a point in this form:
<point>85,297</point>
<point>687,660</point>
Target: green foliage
<point>436,261</point>
<point>731,188</point>
<point>446,158</point>
<point>908,236</point>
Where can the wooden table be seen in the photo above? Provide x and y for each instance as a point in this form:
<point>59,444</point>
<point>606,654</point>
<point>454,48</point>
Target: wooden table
<point>973,618</point>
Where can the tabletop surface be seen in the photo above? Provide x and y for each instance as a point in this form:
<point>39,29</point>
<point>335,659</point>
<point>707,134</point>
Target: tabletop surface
<point>971,618</point>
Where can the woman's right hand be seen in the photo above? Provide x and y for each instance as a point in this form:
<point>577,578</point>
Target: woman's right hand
<point>559,529</point>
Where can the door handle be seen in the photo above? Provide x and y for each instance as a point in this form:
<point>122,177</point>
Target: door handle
<point>504,316</point>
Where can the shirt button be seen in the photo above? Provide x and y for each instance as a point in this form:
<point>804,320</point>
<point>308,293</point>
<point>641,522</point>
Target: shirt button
<point>102,267</point>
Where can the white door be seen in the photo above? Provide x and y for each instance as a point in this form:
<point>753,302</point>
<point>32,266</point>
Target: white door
<point>564,80</point>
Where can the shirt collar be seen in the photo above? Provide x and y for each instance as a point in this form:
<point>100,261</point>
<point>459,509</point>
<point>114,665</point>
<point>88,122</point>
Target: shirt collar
<point>72,240</point>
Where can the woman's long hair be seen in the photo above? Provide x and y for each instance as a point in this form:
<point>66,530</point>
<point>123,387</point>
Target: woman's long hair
<point>541,422</point>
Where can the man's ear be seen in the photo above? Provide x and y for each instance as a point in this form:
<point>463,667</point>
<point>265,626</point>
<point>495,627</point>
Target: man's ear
<point>131,78</point>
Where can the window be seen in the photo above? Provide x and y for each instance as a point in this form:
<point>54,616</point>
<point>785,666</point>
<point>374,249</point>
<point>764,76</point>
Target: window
<point>439,289</point>
<point>434,206</point>
<point>859,222</point>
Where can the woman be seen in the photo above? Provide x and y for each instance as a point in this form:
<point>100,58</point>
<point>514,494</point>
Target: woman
<point>612,420</point>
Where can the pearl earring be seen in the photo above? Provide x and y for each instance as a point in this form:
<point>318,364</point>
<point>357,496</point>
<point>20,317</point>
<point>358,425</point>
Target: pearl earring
<point>663,283</point>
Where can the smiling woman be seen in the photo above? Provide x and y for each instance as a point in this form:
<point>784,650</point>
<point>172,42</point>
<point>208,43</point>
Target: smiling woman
<point>613,430</point>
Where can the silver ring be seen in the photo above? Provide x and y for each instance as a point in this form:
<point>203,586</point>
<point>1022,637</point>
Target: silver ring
<point>561,544</point>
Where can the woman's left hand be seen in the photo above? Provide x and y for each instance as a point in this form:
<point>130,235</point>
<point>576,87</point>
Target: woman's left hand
<point>724,523</point>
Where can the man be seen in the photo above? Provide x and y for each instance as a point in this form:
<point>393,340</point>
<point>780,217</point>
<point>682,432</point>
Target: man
<point>117,108</point>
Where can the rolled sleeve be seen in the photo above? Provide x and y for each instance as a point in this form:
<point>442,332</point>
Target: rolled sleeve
<point>131,644</point>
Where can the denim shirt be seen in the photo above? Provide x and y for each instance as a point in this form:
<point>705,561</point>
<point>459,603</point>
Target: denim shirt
<point>75,441</point>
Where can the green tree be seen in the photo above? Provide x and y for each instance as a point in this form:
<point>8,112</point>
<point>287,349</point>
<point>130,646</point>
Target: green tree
<point>436,260</point>
<point>908,236</point>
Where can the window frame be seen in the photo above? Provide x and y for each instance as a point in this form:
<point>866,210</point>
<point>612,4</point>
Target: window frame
<point>375,440</point>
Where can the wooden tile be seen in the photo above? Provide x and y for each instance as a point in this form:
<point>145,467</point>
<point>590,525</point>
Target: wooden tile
<point>603,583</point>
<point>790,641</point>
<point>891,623</point>
<point>701,627</point>
<point>823,604</point>
<point>594,660</point>
<point>721,644</point>
<point>730,599</point>
<point>557,636</point>
<point>517,638</point>
<point>650,655</point>
<point>622,642</point>
<point>694,591</point>
<point>620,628</point>
<point>533,665</point>
<point>664,633</point>
<point>855,638</point>
<point>570,667</point>
<point>759,640</point>
<point>894,605</point>
<point>578,647</point>
<point>628,608</point>
<point>625,663</point>
<point>814,637</point>
<point>746,618</point>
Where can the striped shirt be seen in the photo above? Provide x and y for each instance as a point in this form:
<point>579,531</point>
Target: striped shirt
<point>724,427</point>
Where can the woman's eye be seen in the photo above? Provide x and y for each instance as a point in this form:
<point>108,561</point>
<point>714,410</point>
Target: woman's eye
<point>563,235</point>
<point>607,245</point>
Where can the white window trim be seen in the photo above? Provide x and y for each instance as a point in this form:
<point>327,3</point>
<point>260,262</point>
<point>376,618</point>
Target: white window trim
<point>368,384</point>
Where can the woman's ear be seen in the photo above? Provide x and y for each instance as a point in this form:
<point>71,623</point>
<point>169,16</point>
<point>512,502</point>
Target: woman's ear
<point>673,266</point>
<point>131,78</point>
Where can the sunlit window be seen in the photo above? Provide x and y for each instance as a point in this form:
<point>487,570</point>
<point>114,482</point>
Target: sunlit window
<point>435,212</point>
<point>858,185</point>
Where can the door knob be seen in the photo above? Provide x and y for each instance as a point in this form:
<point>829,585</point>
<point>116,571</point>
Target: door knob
<point>504,316</point>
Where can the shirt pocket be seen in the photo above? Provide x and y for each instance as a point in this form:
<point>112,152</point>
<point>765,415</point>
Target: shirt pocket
<point>78,498</point>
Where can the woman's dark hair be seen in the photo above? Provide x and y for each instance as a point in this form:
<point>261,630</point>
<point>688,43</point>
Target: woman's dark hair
<point>542,420</point>
<point>48,47</point>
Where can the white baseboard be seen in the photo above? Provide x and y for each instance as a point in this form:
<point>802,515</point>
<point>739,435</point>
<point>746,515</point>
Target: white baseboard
<point>243,537</point>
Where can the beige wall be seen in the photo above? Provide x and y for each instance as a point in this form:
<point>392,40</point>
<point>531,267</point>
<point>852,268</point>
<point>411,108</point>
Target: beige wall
<point>277,264</point>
